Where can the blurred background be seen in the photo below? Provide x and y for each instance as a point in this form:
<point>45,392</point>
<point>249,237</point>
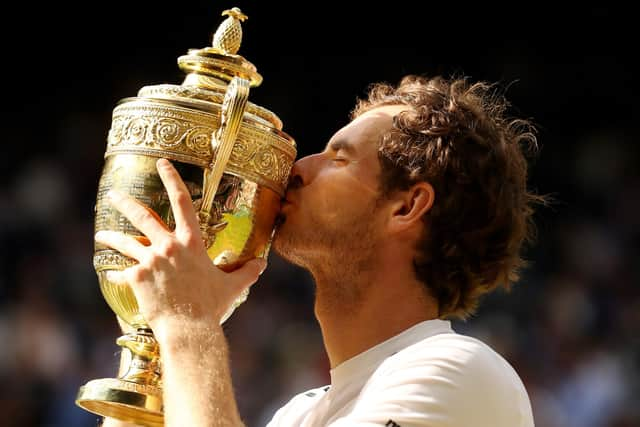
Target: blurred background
<point>570,327</point>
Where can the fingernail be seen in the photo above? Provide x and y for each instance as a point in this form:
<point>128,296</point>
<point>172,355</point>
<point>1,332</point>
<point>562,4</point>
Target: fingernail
<point>163,162</point>
<point>100,234</point>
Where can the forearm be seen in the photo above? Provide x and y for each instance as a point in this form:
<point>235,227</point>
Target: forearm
<point>196,377</point>
<point>196,385</point>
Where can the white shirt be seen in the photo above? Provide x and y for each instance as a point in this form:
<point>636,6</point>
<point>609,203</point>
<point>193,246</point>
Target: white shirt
<point>427,376</point>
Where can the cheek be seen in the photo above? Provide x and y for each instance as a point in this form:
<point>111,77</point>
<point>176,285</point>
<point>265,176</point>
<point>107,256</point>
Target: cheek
<point>321,202</point>
<point>337,203</point>
<point>337,193</point>
<point>327,202</point>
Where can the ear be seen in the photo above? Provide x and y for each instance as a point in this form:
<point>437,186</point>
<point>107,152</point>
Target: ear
<point>410,205</point>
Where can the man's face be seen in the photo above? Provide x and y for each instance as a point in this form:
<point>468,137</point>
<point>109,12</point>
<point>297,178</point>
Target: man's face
<point>332,210</point>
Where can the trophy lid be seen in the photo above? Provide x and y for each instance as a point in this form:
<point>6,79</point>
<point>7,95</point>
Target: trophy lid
<point>220,61</point>
<point>179,122</point>
<point>210,69</point>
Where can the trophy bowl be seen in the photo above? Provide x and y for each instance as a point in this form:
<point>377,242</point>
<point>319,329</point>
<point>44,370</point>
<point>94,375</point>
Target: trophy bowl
<point>235,160</point>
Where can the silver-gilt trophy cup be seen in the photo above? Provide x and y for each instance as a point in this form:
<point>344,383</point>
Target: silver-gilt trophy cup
<point>235,160</point>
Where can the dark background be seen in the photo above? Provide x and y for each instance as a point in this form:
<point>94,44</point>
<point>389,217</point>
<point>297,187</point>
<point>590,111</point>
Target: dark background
<point>570,327</point>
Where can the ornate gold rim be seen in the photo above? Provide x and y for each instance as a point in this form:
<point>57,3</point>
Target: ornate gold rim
<point>161,128</point>
<point>210,113</point>
<point>203,98</point>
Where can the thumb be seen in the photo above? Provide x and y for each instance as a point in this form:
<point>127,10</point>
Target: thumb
<point>248,274</point>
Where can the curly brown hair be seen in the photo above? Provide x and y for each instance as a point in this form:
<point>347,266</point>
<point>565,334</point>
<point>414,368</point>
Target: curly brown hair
<point>457,137</point>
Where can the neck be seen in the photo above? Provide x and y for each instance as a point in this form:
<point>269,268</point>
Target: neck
<point>358,311</point>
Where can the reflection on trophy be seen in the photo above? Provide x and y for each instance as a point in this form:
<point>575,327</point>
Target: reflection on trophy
<point>235,160</point>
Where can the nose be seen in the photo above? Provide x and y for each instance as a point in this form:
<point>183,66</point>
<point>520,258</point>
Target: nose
<point>303,171</point>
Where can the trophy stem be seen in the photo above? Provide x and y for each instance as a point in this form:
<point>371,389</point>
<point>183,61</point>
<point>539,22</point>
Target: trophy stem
<point>144,358</point>
<point>136,395</point>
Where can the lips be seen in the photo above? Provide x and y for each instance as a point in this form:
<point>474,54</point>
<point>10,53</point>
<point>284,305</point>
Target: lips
<point>286,199</point>
<point>284,203</point>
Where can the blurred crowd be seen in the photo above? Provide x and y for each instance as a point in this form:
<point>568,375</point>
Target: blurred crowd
<point>570,327</point>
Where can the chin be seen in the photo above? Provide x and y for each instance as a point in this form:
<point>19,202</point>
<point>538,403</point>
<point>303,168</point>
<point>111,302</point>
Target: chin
<point>279,242</point>
<point>286,243</point>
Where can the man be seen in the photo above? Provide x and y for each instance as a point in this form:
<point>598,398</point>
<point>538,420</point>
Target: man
<point>412,212</point>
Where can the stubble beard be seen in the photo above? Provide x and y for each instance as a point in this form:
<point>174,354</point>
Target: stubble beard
<point>339,255</point>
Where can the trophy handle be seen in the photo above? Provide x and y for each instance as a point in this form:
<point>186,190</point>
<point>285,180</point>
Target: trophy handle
<point>222,141</point>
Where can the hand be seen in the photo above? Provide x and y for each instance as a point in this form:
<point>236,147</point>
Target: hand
<point>174,280</point>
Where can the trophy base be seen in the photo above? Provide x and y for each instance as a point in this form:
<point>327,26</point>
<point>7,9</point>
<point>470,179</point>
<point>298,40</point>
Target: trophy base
<point>123,400</point>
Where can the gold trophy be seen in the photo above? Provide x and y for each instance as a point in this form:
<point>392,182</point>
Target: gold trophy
<point>235,161</point>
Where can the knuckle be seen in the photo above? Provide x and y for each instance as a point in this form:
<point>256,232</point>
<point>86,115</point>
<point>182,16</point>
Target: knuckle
<point>154,261</point>
<point>191,238</point>
<point>167,248</point>
<point>139,274</point>
<point>183,198</point>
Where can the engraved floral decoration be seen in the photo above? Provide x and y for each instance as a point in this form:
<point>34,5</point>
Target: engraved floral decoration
<point>198,139</point>
<point>264,159</point>
<point>169,132</point>
<point>257,154</point>
<point>136,130</point>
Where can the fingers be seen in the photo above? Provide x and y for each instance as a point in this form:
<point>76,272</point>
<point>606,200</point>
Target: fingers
<point>179,196</point>
<point>143,218</point>
<point>248,274</point>
<point>123,243</point>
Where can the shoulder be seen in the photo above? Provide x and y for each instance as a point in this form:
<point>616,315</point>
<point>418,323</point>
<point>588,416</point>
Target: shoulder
<point>471,363</point>
<point>454,377</point>
<point>298,406</point>
<point>456,351</point>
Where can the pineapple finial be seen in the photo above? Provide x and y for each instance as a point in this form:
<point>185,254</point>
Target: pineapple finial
<point>228,36</point>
